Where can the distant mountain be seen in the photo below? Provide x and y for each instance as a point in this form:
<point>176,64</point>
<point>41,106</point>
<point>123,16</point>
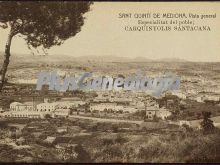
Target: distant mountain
<point>141,59</point>
<point>105,58</point>
<point>172,60</point>
<point>91,58</point>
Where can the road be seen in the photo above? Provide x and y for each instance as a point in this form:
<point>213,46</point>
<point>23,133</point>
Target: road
<point>105,120</point>
<point>194,123</point>
<point>216,122</point>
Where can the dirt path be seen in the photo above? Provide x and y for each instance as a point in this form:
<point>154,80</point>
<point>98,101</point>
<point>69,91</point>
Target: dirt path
<point>105,120</point>
<point>194,123</point>
<point>216,122</point>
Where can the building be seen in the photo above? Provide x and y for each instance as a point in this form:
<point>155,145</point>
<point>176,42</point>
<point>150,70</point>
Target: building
<point>30,110</point>
<point>22,114</point>
<point>47,107</point>
<point>16,106</point>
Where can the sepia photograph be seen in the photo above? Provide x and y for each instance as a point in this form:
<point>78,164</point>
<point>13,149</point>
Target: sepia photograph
<point>109,82</point>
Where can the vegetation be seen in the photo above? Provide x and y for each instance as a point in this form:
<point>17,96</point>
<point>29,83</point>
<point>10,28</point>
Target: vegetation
<point>90,141</point>
<point>207,124</point>
<point>192,147</point>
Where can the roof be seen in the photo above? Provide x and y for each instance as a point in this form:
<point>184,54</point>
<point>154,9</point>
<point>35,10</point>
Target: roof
<point>15,103</point>
<point>55,103</point>
<point>28,103</point>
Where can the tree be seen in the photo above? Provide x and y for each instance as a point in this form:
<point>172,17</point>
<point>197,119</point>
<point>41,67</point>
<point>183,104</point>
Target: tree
<point>207,124</point>
<point>40,23</point>
<point>47,116</point>
<point>82,155</point>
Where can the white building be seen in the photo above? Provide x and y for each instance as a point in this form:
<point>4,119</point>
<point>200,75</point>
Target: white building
<point>16,106</point>
<point>29,110</point>
<point>46,107</point>
<point>22,114</point>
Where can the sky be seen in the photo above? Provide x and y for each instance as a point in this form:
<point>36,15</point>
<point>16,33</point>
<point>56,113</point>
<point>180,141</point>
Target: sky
<point>103,34</point>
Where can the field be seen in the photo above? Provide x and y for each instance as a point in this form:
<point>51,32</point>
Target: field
<point>80,139</point>
<point>91,141</point>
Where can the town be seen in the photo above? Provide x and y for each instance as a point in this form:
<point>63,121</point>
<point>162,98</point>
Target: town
<point>61,126</point>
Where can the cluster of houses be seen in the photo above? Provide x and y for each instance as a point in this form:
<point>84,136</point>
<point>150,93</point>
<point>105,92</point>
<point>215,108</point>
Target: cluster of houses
<point>33,110</point>
<point>63,108</point>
